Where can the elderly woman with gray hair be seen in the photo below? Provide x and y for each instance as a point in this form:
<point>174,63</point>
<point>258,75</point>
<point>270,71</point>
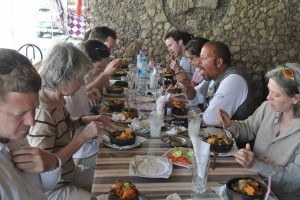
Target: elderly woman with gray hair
<point>62,75</point>
<point>276,126</point>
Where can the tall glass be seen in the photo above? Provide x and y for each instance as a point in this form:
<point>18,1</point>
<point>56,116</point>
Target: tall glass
<point>200,172</point>
<point>194,125</point>
<point>156,121</point>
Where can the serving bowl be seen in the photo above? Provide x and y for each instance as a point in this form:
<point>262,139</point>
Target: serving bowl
<point>115,89</point>
<point>219,143</point>
<point>116,105</point>
<point>123,190</point>
<point>245,188</point>
<point>122,138</point>
<point>130,113</point>
<point>120,73</point>
<point>179,108</point>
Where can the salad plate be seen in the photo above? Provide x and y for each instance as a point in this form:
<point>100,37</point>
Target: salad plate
<point>181,156</point>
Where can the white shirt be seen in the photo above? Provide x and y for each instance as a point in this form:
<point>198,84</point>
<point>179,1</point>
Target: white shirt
<point>20,185</point>
<point>232,92</point>
<point>184,63</point>
<point>77,105</point>
<point>199,98</point>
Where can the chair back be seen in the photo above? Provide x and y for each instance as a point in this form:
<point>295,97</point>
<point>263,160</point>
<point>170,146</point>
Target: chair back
<point>32,52</point>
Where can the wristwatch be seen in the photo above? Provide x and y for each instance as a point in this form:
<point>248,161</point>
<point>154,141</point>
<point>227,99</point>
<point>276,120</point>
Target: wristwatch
<point>81,121</point>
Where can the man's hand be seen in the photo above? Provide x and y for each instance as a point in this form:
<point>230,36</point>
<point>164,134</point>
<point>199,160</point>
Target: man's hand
<point>183,78</point>
<point>34,160</point>
<point>245,157</point>
<point>91,131</point>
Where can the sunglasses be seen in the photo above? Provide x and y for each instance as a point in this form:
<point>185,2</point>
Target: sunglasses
<point>289,74</point>
<point>8,63</point>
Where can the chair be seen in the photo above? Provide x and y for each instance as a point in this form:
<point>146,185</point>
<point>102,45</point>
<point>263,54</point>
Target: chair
<point>31,55</point>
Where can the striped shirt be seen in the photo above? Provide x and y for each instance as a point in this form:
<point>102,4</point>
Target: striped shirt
<point>52,132</point>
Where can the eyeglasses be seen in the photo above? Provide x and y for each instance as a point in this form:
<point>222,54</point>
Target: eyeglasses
<point>8,63</point>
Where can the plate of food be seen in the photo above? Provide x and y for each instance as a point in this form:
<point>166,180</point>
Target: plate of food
<point>175,140</point>
<point>114,90</point>
<point>126,139</point>
<point>179,108</point>
<point>181,156</point>
<point>150,167</point>
<point>120,73</point>
<point>245,188</point>
<point>122,190</point>
<point>220,144</point>
<point>120,118</point>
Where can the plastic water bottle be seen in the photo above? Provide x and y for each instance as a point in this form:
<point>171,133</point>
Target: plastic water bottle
<point>140,57</point>
<point>143,69</point>
<point>143,74</point>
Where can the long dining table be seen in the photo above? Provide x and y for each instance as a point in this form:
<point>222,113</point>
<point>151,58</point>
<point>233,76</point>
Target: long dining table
<point>113,164</point>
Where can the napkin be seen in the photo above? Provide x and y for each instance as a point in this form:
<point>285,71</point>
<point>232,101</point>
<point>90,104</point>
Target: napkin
<point>202,152</point>
<point>160,103</point>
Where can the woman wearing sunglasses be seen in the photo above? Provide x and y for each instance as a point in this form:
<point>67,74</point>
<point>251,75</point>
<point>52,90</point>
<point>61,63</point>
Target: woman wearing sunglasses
<point>276,127</point>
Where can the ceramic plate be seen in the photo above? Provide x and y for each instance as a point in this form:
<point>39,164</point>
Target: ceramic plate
<point>138,142</point>
<point>189,166</point>
<point>105,197</point>
<point>151,167</point>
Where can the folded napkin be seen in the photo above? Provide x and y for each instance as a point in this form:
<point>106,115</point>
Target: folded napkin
<point>202,152</point>
<point>173,196</point>
<point>160,103</point>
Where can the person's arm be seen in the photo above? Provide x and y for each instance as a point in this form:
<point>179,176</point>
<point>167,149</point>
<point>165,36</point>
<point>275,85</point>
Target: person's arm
<point>103,79</point>
<point>231,93</point>
<point>90,131</point>
<point>183,78</point>
<point>44,134</point>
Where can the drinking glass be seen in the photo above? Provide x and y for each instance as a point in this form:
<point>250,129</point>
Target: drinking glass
<point>156,121</point>
<point>200,172</point>
<point>194,125</point>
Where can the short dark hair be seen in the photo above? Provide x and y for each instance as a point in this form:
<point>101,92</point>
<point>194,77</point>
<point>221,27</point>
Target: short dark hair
<point>95,50</point>
<point>221,51</point>
<point>179,35</point>
<point>194,46</point>
<point>17,74</point>
<point>101,33</point>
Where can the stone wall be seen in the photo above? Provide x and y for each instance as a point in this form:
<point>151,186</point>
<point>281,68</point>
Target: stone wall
<point>260,33</point>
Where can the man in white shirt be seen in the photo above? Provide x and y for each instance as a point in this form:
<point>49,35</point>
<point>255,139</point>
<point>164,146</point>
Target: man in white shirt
<point>229,90</point>
<point>21,166</point>
<point>175,41</point>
